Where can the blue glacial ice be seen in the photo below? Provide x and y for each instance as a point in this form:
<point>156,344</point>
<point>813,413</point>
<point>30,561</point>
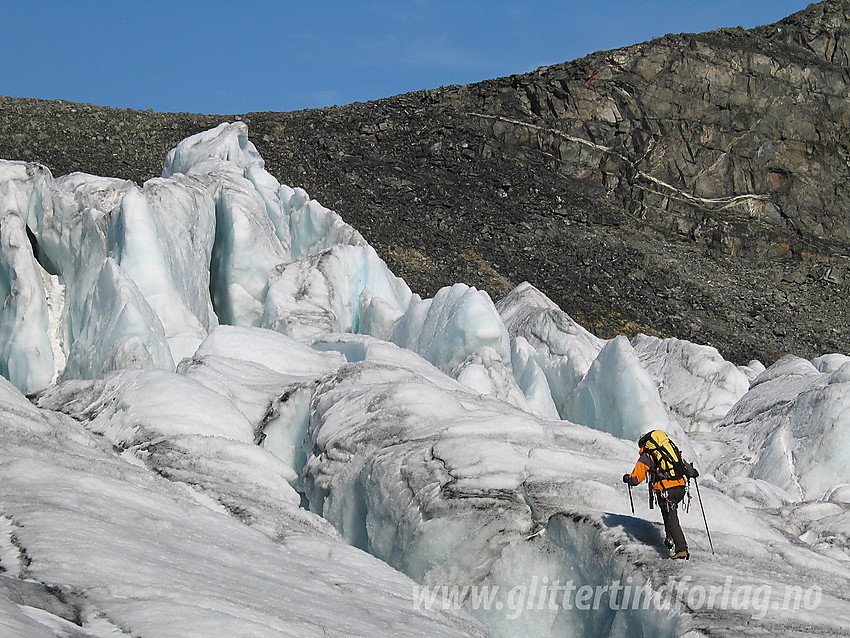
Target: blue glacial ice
<point>26,353</point>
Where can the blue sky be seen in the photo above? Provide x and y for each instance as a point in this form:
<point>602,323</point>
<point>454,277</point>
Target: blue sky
<point>237,57</point>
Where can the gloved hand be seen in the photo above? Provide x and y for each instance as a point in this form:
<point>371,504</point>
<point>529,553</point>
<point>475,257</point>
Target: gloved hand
<point>627,478</point>
<point>691,471</point>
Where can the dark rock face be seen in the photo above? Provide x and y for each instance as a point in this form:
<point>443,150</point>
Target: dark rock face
<point>694,185</point>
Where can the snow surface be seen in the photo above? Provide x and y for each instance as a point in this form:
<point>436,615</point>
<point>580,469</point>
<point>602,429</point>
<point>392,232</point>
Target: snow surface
<point>260,430</point>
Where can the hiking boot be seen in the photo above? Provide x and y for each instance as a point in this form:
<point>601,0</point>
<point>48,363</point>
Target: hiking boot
<point>668,543</point>
<point>683,555</point>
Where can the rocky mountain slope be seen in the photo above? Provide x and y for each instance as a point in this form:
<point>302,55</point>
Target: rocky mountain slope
<point>694,185</point>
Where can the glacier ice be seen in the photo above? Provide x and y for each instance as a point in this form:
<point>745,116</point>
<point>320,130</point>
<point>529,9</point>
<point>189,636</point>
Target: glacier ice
<point>312,227</point>
<point>270,378</point>
<point>822,525</point>
<point>791,429</point>
<point>107,241</point>
<point>11,397</point>
<point>258,253</point>
<point>466,444</point>
<point>26,355</point>
<point>830,362</point>
<point>531,378</point>
<point>271,349</point>
<point>427,477</point>
<point>246,246</point>
<point>227,142</point>
<point>327,292</point>
<point>421,474</point>
<point>121,331</point>
<point>165,246</point>
<point>752,369</point>
<point>276,571</point>
<point>182,253</point>
<point>485,372</point>
<point>618,395</point>
<point>696,384</point>
<point>355,348</point>
<point>530,585</point>
<point>560,348</point>
<point>130,407</point>
<point>457,322</point>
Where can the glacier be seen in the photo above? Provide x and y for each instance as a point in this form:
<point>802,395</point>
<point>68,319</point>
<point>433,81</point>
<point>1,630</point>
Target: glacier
<point>222,414</point>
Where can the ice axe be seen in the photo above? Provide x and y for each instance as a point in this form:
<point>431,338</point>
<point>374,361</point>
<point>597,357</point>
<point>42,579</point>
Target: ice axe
<point>705,520</point>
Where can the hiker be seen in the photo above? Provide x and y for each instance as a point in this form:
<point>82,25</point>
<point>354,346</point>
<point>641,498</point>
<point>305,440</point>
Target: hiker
<point>667,473</point>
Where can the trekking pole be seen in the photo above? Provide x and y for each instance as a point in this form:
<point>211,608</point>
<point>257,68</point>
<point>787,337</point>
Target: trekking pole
<point>630,497</point>
<point>705,520</point>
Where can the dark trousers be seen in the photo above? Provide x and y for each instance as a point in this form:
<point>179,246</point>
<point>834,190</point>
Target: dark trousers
<point>668,508</point>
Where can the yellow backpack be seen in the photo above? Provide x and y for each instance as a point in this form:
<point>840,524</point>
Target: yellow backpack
<point>669,463</point>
